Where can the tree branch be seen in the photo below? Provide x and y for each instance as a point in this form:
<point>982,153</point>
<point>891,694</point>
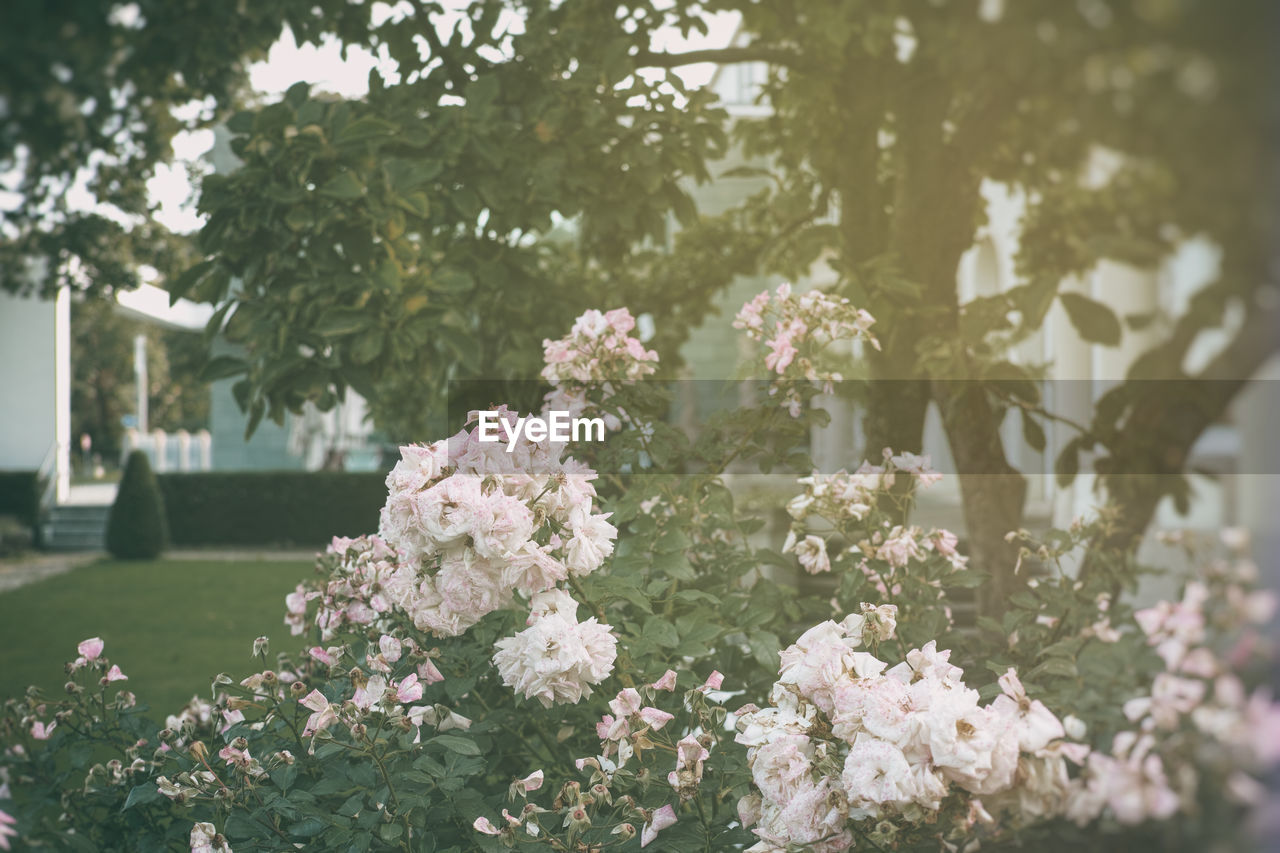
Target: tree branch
<point>719,55</point>
<point>1163,427</point>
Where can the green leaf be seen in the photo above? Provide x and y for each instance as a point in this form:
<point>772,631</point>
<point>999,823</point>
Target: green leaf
<point>222,366</point>
<point>308,827</point>
<point>1094,321</point>
<point>241,122</point>
<point>454,743</point>
<point>1024,600</point>
<point>296,94</point>
<point>182,285</point>
<point>337,322</point>
<point>450,280</point>
<point>1063,667</point>
<point>660,631</point>
<point>415,202</point>
<point>745,172</point>
<point>344,186</point>
<point>673,565</point>
<point>1068,463</point>
<point>367,346</point>
<point>353,806</point>
<point>141,794</point>
<point>299,218</point>
<point>364,129</point>
<point>764,648</point>
<point>1032,431</point>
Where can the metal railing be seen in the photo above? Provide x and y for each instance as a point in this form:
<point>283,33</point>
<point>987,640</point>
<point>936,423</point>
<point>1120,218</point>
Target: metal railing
<point>47,476</point>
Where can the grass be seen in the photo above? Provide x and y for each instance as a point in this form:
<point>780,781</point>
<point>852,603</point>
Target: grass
<point>170,625</point>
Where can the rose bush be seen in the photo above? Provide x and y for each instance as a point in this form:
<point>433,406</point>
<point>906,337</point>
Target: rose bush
<point>587,652</point>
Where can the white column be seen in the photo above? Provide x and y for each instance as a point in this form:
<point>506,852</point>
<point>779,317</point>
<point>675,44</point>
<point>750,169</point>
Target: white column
<point>162,450</point>
<point>184,450</point>
<point>62,384</point>
<point>205,442</point>
<point>140,374</point>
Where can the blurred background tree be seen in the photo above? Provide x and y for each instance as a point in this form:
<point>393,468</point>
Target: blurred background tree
<point>525,160</point>
<point>104,384</point>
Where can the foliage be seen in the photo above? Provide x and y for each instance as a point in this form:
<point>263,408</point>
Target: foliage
<point>522,158</point>
<point>95,92</point>
<point>408,720</point>
<point>20,495</point>
<point>1121,131</point>
<point>136,526</point>
<point>297,508</point>
<point>418,236</point>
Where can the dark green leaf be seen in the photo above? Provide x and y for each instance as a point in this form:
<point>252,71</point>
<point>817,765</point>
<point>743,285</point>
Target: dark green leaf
<point>1094,321</point>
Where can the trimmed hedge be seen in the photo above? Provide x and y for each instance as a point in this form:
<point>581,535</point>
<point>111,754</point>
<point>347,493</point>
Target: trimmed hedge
<point>136,525</point>
<point>277,508</point>
<point>20,496</point>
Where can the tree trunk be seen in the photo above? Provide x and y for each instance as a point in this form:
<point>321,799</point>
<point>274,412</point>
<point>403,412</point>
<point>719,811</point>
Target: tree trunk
<point>992,491</point>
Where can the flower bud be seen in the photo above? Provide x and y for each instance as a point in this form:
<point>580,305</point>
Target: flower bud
<point>626,830</point>
<point>73,688</point>
<point>577,818</point>
<point>298,688</point>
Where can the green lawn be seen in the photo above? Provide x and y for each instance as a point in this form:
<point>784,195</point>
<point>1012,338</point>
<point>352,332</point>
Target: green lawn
<point>171,626</point>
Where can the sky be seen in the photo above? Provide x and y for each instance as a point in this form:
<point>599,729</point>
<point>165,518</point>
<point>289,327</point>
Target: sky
<point>325,68</point>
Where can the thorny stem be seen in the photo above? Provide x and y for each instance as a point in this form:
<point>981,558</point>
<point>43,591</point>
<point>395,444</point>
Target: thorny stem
<point>391,788</point>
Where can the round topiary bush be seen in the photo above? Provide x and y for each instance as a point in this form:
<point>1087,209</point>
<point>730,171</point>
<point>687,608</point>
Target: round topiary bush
<point>136,528</point>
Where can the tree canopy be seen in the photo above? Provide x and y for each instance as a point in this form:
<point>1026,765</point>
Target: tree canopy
<point>528,159</point>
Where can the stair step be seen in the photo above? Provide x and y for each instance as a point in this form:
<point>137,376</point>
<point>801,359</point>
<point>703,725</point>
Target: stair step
<point>76,527</point>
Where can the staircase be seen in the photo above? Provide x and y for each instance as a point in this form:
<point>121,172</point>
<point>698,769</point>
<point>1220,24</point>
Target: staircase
<point>72,527</point>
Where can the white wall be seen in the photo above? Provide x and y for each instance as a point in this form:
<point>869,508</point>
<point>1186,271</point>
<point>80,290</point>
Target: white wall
<point>28,380</point>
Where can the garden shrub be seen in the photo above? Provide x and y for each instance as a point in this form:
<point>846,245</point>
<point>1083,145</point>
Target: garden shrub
<point>284,508</point>
<point>15,537</point>
<point>583,654</point>
<point>20,496</point>
<point>136,528</point>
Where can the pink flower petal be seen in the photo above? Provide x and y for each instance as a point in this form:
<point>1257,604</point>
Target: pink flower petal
<point>91,648</point>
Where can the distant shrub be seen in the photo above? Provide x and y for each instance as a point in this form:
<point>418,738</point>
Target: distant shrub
<point>250,508</point>
<point>20,495</point>
<point>136,528</point>
<point>15,537</point>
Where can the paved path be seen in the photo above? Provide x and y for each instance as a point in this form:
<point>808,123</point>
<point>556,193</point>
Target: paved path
<point>24,570</point>
<point>28,569</point>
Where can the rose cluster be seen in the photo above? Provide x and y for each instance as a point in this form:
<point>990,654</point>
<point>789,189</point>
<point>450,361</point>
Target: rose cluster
<point>598,352</point>
<point>474,525</point>
<point>1151,771</point>
<point>602,815</point>
<point>556,658</point>
<point>466,528</point>
<point>847,502</point>
<point>849,741</point>
<point>796,329</point>
<point>357,573</point>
